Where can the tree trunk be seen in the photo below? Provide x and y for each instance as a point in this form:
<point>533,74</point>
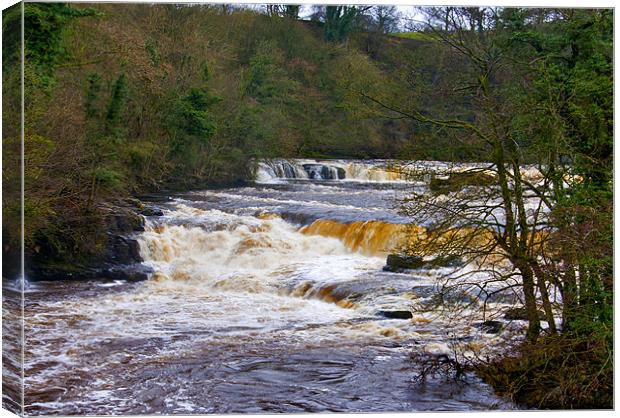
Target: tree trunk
<point>542,286</point>
<point>544,294</point>
<point>533,329</point>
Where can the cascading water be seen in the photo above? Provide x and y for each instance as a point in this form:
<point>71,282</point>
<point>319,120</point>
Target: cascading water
<point>280,169</point>
<point>267,298</point>
<point>385,171</point>
<point>377,171</point>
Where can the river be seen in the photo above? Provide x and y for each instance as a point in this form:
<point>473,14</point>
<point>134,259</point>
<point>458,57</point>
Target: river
<point>266,298</point>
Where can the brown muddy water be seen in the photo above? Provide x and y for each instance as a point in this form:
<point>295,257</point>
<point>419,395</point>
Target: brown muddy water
<point>264,299</point>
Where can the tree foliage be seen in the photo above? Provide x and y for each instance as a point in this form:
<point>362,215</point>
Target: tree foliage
<point>340,21</point>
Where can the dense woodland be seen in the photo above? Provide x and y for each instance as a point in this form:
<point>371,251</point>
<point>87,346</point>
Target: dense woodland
<point>125,99</point>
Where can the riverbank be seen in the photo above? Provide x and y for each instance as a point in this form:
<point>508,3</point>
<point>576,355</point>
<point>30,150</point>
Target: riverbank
<point>562,372</point>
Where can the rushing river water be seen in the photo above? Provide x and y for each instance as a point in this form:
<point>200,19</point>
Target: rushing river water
<point>263,299</point>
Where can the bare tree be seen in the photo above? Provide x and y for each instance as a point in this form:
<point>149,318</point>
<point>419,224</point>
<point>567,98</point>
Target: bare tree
<point>384,19</point>
<point>495,214</point>
<point>283,10</point>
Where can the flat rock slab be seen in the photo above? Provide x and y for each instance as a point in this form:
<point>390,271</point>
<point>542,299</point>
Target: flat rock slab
<point>396,314</point>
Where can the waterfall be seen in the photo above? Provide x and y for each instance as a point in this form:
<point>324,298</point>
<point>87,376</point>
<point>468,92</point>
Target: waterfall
<point>380,171</point>
<point>241,250</point>
<point>367,171</point>
<point>279,169</point>
<point>369,237</point>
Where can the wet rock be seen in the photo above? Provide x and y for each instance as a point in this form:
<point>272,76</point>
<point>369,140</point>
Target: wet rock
<point>396,314</point>
<point>54,272</point>
<point>397,263</point>
<point>298,217</point>
<point>508,297</point>
<point>453,296</point>
<point>151,211</point>
<point>465,338</point>
<point>342,174</point>
<point>119,250</point>
<point>164,197</point>
<point>520,314</point>
<point>491,327</point>
<point>319,171</point>
<point>123,250</point>
<point>315,171</point>
<point>130,273</point>
<point>124,221</point>
<point>326,173</point>
<point>121,223</point>
<point>284,169</point>
<point>447,261</point>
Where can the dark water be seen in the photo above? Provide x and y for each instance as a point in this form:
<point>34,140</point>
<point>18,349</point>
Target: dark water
<point>246,314</point>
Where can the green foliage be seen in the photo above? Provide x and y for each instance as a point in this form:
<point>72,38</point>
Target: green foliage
<point>152,51</point>
<point>578,69</point>
<point>107,178</point>
<point>192,112</point>
<point>292,11</point>
<point>418,36</point>
<point>92,95</point>
<point>11,36</point>
<point>140,156</point>
<point>44,25</point>
<point>537,86</point>
<point>116,105</point>
<point>36,215</point>
<point>250,131</point>
<point>71,239</point>
<point>339,22</point>
<point>266,79</point>
<point>568,114</point>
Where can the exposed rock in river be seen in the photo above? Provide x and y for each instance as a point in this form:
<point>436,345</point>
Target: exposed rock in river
<point>396,314</point>
<point>399,263</point>
<point>119,260</point>
<point>151,211</point>
<point>123,250</point>
<point>342,174</point>
<point>53,272</point>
